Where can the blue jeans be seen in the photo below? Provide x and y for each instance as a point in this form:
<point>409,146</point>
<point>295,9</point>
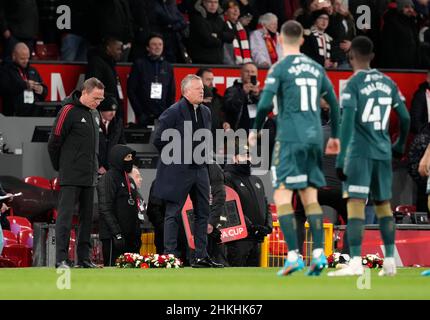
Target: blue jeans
<point>73,48</point>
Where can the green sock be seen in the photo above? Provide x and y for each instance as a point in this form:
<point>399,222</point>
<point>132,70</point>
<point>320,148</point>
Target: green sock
<point>289,229</point>
<point>355,236</point>
<point>388,232</point>
<point>316,226</point>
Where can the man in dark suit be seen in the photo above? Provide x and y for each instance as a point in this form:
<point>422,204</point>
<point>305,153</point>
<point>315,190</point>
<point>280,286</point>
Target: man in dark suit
<point>185,174</point>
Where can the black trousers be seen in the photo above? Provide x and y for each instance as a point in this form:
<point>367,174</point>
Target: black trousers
<point>69,197</point>
<point>326,197</point>
<point>111,253</point>
<point>243,253</point>
<point>198,184</point>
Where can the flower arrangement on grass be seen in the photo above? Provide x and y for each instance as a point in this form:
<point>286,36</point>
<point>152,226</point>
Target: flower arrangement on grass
<point>151,260</point>
<point>338,260</point>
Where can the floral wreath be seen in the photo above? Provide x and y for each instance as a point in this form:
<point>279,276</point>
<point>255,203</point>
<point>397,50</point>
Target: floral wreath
<point>338,260</point>
<point>151,260</point>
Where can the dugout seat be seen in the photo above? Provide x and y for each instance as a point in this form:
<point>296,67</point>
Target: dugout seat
<point>17,224</point>
<point>26,238</point>
<point>40,182</point>
<point>19,254</point>
<point>9,238</point>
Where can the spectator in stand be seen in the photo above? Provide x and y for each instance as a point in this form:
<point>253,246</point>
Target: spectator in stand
<point>238,52</point>
<point>101,65</point>
<point>248,14</point>
<point>420,106</point>
<point>241,99</point>
<point>208,33</point>
<point>19,22</point>
<point>151,84</point>
<point>74,45</point>
<point>111,131</point>
<point>216,103</point>
<point>318,44</point>
<point>21,85</point>
<point>170,23</point>
<point>265,46</point>
<point>283,9</point>
<point>400,44</point>
<point>143,19</point>
<point>304,14</point>
<point>377,9</point>
<point>112,19</point>
<point>342,29</point>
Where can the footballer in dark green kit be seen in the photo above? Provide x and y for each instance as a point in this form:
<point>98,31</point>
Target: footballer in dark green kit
<point>364,163</point>
<point>298,83</point>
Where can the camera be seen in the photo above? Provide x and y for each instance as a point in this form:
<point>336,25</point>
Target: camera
<point>254,80</point>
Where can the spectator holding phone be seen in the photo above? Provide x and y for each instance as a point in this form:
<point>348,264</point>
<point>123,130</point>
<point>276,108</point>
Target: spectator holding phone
<point>241,99</point>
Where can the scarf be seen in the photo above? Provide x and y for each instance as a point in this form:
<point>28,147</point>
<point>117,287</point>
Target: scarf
<point>271,46</point>
<point>323,40</point>
<point>241,50</point>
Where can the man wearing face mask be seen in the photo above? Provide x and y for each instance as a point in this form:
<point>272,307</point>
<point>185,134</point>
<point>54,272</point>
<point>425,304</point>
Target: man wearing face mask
<point>118,206</point>
<point>258,218</point>
<point>151,85</point>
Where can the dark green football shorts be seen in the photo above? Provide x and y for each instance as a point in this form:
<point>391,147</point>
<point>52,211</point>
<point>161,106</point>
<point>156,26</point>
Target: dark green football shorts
<point>368,178</point>
<point>296,166</point>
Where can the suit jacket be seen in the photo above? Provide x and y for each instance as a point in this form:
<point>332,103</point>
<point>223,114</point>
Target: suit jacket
<point>170,182</point>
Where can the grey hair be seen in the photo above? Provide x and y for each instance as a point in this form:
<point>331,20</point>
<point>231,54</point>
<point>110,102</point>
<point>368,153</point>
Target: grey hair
<point>187,80</point>
<point>266,18</point>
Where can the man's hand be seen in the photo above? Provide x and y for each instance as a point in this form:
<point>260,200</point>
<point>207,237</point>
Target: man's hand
<point>4,208</point>
<point>252,139</point>
<point>333,147</point>
<point>248,87</point>
<point>210,228</point>
<point>226,126</point>
<point>255,90</point>
<point>102,170</point>
<point>397,151</point>
<point>423,167</point>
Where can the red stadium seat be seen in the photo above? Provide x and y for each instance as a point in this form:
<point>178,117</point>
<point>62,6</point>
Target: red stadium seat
<point>9,238</point>
<point>19,254</point>
<point>26,238</point>
<point>406,208</point>
<point>47,51</point>
<point>17,224</point>
<point>40,182</point>
<point>7,263</point>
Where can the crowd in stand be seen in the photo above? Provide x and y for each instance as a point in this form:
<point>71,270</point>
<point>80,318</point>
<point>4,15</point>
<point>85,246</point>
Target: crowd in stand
<point>229,32</point>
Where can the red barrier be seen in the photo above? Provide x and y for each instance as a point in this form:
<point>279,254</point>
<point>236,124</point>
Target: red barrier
<point>62,78</point>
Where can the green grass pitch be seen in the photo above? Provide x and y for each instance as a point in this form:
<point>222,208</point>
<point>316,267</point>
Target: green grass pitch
<point>205,284</point>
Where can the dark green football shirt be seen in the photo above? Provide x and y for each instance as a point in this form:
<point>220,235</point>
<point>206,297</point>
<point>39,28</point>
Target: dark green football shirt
<point>372,95</point>
<point>299,83</point>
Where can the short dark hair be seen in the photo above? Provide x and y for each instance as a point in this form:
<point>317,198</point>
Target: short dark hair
<point>362,47</point>
<point>153,35</point>
<point>107,41</point>
<point>201,71</point>
<point>292,31</point>
<point>92,83</point>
